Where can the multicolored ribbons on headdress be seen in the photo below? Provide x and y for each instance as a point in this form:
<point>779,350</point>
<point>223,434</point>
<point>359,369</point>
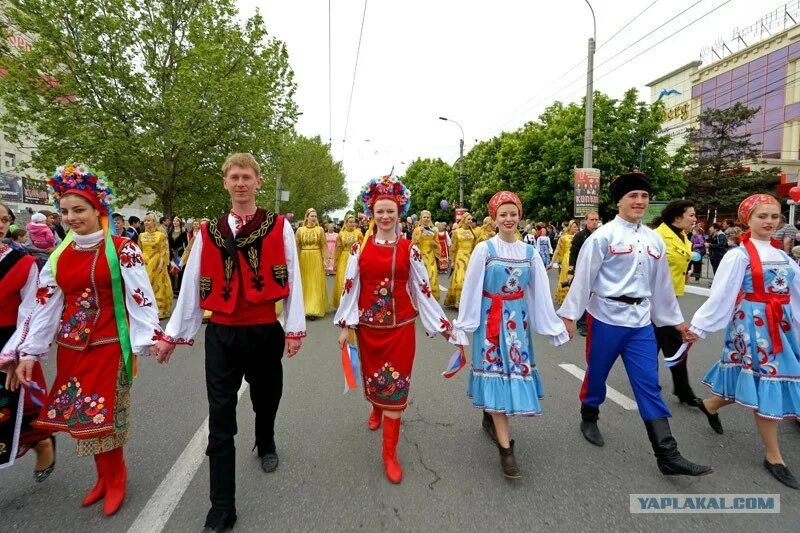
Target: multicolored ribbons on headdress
<point>503,197</point>
<point>749,204</point>
<point>94,188</point>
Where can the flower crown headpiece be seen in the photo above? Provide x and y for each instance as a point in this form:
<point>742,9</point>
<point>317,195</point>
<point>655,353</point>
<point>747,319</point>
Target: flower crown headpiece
<point>82,180</point>
<point>385,187</point>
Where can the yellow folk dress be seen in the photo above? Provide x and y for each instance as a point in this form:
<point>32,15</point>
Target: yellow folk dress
<point>561,255</point>
<point>155,251</point>
<point>310,242</point>
<point>463,241</point>
<point>344,242</point>
<point>427,240</point>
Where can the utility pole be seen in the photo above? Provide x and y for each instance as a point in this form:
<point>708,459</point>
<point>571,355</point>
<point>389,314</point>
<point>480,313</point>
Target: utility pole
<point>588,131</point>
<point>461,173</point>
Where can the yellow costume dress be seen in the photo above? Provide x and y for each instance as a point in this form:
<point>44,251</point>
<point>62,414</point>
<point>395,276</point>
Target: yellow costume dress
<point>344,242</point>
<point>561,256</point>
<point>310,242</point>
<point>463,241</point>
<point>427,240</point>
<point>155,250</point>
<point>487,232</point>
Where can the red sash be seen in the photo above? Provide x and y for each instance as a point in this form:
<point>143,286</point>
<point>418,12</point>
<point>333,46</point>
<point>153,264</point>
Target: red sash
<point>773,302</point>
<point>496,313</point>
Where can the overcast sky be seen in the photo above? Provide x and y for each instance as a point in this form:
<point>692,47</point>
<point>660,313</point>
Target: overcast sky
<point>490,65</point>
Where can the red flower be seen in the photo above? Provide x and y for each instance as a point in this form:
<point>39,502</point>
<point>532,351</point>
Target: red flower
<point>354,249</point>
<point>444,323</point>
<point>425,289</point>
<point>415,255</point>
<point>43,294</point>
<point>348,284</point>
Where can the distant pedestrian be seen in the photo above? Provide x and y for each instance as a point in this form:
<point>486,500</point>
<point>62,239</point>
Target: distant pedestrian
<point>40,233</point>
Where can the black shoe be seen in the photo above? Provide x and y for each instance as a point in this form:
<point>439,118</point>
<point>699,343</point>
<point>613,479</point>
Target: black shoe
<point>713,419</point>
<point>269,462</point>
<point>669,460</point>
<point>508,462</point>
<point>583,331</point>
<point>488,426</point>
<point>219,520</point>
<point>589,417</point>
<point>692,401</point>
<point>41,475</point>
<point>782,474</point>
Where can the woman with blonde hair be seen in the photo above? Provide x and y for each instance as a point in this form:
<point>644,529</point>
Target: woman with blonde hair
<point>426,237</point>
<point>348,236</point>
<point>463,240</point>
<point>488,229</point>
<point>155,251</point>
<point>313,252</point>
<point>561,256</point>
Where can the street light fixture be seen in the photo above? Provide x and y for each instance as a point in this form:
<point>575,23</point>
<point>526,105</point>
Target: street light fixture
<point>461,162</point>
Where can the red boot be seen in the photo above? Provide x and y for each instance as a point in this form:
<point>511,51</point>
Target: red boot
<point>375,418</point>
<point>116,480</point>
<point>391,434</point>
<point>99,490</point>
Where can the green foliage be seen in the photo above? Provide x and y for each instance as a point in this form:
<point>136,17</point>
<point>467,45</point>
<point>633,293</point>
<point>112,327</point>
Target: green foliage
<point>718,149</point>
<point>430,182</point>
<point>156,93</point>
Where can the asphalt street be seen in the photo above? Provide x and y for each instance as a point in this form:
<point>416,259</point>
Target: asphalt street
<point>331,477</point>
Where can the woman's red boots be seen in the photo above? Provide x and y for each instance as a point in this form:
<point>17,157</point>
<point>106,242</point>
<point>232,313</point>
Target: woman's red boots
<point>112,478</point>
<point>375,418</point>
<point>391,435</point>
<point>99,490</point>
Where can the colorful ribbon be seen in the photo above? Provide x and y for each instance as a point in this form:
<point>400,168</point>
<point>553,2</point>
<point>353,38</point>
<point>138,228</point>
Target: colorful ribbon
<point>350,366</point>
<point>458,360</point>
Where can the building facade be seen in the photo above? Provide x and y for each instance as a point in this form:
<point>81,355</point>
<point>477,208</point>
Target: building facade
<point>674,90</point>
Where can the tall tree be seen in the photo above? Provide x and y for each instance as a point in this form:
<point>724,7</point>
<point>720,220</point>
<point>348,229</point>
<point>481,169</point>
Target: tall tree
<point>156,93</point>
<point>720,152</point>
<point>430,182</point>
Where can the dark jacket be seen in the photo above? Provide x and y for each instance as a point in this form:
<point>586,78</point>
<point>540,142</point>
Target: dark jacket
<point>717,245</point>
<point>577,242</point>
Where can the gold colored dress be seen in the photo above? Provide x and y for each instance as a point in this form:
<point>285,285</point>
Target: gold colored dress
<point>427,240</point>
<point>155,250</point>
<point>561,256</point>
<point>487,232</point>
<point>463,241</point>
<point>344,242</point>
<point>310,242</point>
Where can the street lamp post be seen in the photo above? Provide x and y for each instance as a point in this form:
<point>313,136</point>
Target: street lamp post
<point>589,112</point>
<point>461,162</point>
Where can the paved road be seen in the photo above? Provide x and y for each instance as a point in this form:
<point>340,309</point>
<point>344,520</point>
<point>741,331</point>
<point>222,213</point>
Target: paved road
<point>331,479</point>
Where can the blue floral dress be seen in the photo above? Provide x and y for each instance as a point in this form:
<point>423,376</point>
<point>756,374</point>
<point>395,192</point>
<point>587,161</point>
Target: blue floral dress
<point>751,371</point>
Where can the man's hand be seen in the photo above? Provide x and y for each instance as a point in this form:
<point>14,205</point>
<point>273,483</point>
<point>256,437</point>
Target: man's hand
<point>686,335</point>
<point>162,350</point>
<point>570,327</point>
<point>293,346</point>
<point>25,372</point>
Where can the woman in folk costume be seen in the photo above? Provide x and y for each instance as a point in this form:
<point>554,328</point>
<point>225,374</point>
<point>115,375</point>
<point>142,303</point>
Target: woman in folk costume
<point>561,256</point>
<point>760,361</point>
<point>18,276</point>
<point>507,297</point>
<point>463,241</point>
<point>313,251</point>
<point>544,247</point>
<point>426,238</point>
<point>444,246</point>
<point>348,236</point>
<point>330,240</point>
<point>155,251</point>
<point>386,285</point>
<point>94,299</point>
<point>488,229</point>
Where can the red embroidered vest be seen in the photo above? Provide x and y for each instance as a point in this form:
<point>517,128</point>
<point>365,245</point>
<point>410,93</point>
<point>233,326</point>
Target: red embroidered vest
<point>14,272</point>
<point>384,300</point>
<point>251,265</point>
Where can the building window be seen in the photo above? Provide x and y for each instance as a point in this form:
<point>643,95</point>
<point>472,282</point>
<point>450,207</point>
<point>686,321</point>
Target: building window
<point>10,160</point>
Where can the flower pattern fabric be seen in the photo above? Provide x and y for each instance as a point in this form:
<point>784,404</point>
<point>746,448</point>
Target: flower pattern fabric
<point>388,384</point>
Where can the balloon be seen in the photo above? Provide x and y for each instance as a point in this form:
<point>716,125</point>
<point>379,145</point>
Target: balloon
<point>696,257</point>
<point>414,217</point>
<point>794,193</point>
<point>289,216</point>
<point>443,204</point>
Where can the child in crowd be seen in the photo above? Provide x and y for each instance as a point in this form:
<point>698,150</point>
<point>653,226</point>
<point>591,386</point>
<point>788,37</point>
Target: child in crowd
<point>41,234</point>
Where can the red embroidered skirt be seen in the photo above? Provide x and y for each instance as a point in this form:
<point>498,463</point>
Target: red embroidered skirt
<point>387,356</point>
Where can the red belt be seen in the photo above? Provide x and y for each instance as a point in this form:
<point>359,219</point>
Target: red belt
<point>774,309</point>
<point>496,313</point>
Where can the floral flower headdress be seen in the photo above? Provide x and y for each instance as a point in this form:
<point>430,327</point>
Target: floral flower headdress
<point>385,187</point>
<point>82,180</point>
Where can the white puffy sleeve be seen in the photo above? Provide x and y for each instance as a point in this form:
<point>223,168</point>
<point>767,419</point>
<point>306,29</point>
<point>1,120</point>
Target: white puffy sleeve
<point>469,307</point>
<point>664,308</point>
<point>187,316</point>
<point>541,313</point>
<point>717,310</point>
<point>39,329</point>
<point>28,301</point>
<point>419,287</point>
<point>294,310</point>
<point>590,259</point>
<point>139,300</point>
<point>347,313</point>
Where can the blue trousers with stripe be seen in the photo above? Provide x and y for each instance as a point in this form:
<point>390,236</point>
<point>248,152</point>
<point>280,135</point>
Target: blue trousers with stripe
<point>639,351</point>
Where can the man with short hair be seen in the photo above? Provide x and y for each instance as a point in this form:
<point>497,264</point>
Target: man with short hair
<point>134,228</point>
<point>591,222</point>
<point>243,264</point>
<point>119,224</point>
<point>786,234</point>
<point>622,279</point>
<point>717,245</point>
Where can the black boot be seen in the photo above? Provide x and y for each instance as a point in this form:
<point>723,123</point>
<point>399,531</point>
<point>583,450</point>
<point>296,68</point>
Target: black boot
<point>680,379</point>
<point>713,419</point>
<point>488,426</point>
<point>222,515</point>
<point>508,462</point>
<point>665,448</point>
<point>591,432</point>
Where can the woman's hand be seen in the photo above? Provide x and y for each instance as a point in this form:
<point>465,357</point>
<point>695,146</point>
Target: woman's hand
<point>343,336</point>
<point>12,382</point>
<point>25,372</point>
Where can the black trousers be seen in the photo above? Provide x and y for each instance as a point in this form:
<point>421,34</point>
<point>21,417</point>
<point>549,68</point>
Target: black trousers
<point>669,340</point>
<point>234,352</point>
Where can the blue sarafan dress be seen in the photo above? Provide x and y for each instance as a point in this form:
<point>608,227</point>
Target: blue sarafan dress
<point>760,363</point>
<point>506,296</point>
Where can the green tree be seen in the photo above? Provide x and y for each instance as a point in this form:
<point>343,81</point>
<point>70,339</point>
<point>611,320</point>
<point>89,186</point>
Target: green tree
<point>430,182</point>
<point>156,93</point>
<point>718,149</point>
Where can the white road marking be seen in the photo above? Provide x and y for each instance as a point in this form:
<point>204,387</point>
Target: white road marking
<point>612,394</point>
<point>165,499</point>
<point>700,291</point>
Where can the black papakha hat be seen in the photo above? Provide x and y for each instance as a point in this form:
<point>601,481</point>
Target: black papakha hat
<point>630,181</point>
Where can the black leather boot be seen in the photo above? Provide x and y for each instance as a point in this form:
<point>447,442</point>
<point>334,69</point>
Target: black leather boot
<point>222,515</point>
<point>680,379</point>
<point>665,448</point>
<point>591,432</point>
<point>488,426</point>
<point>508,462</point>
